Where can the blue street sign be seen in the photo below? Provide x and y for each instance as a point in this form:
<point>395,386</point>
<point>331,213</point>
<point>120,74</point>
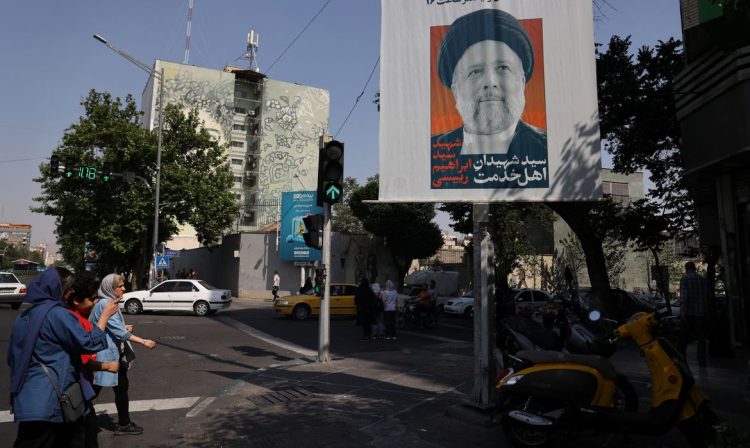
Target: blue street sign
<point>172,253</point>
<point>162,262</point>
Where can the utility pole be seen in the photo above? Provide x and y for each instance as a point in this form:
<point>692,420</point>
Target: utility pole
<point>324,339</point>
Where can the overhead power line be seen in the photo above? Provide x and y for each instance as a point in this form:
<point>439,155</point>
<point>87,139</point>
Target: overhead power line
<point>298,35</point>
<point>372,72</point>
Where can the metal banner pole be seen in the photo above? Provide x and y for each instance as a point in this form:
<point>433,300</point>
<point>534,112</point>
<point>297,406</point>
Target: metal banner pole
<point>482,395</point>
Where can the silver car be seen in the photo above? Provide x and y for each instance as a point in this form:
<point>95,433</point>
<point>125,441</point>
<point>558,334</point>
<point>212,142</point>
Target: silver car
<point>12,291</point>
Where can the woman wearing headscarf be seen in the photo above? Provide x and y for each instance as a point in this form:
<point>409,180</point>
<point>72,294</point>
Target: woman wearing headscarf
<point>48,334</point>
<point>364,299</point>
<point>119,337</point>
<point>390,301</point>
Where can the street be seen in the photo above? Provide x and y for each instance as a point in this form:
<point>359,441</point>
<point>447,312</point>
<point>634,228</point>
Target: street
<point>197,358</point>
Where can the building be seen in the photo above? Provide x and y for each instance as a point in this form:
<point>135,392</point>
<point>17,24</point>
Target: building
<point>713,110</point>
<point>272,129</point>
<point>16,234</point>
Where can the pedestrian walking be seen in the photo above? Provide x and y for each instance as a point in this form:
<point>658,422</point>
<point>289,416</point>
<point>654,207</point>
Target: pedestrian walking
<point>363,299</point>
<point>693,311</point>
<point>378,326</point>
<point>276,284</point>
<point>80,303</point>
<point>44,355</point>
<point>119,348</point>
<point>390,305</point>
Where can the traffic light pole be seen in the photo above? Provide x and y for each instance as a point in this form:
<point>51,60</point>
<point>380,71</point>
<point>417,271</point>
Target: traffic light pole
<point>324,335</point>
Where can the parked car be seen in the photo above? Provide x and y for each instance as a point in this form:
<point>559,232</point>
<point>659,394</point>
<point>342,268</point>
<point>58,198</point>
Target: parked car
<point>12,291</point>
<point>302,306</point>
<point>460,306</point>
<point>178,295</point>
<point>533,299</point>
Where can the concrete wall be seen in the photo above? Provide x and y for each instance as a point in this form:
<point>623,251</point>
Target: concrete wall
<point>251,275</point>
<point>217,265</point>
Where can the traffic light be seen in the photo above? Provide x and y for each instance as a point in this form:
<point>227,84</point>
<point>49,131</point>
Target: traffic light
<point>70,168</point>
<point>54,166</point>
<point>313,233</point>
<point>331,173</point>
<point>106,172</point>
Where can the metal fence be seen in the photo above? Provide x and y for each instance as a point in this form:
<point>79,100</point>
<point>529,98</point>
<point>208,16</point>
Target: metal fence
<point>258,216</point>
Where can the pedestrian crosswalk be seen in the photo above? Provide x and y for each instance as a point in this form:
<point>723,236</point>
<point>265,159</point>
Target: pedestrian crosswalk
<point>163,404</point>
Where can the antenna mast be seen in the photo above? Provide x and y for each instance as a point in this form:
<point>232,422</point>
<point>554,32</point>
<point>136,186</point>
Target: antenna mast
<point>252,50</point>
<point>187,35</point>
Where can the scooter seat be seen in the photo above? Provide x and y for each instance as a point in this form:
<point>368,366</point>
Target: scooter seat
<point>602,365</point>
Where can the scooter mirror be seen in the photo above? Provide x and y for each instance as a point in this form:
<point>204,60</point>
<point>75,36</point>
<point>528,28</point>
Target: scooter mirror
<point>595,316</point>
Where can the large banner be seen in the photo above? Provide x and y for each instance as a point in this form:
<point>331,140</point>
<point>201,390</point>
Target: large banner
<point>295,205</point>
<point>488,100</point>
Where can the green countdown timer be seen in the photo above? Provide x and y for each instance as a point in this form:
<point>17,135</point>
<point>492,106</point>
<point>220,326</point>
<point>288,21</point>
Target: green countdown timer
<point>87,172</point>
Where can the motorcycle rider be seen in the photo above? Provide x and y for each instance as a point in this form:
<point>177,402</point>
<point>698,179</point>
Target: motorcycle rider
<point>424,304</point>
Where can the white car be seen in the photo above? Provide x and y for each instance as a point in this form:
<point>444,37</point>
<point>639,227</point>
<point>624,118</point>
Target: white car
<point>178,295</point>
<point>460,306</point>
<point>12,291</point>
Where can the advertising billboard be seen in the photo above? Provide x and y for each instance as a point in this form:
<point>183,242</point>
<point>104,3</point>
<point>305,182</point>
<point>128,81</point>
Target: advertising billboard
<point>488,101</point>
<point>295,205</point>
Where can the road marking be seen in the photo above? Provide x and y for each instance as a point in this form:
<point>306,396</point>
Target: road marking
<point>433,337</point>
<point>165,404</point>
<point>200,406</point>
<point>267,337</point>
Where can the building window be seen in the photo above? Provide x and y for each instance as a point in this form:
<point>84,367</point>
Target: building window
<point>236,144</point>
<point>238,197</point>
<point>239,127</point>
<point>619,191</point>
<point>240,93</point>
<point>237,162</point>
<point>240,110</point>
<point>238,179</point>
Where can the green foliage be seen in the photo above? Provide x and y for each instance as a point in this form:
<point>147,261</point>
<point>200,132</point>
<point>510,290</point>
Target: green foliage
<point>639,124</point>
<point>407,228</point>
<point>343,220</point>
<point>10,252</point>
<point>117,217</point>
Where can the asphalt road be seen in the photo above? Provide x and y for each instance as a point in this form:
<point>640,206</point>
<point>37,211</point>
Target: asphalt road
<point>196,358</point>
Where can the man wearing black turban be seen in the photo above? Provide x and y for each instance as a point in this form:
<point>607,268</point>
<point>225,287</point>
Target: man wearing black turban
<point>486,58</point>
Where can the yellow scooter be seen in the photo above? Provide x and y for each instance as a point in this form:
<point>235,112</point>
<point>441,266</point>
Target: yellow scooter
<point>551,396</point>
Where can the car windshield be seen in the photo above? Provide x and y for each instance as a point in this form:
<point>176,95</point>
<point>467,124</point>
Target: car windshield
<point>205,284</point>
<point>8,278</point>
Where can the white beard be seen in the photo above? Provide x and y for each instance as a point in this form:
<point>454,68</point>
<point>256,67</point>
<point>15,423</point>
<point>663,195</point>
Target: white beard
<point>491,117</point>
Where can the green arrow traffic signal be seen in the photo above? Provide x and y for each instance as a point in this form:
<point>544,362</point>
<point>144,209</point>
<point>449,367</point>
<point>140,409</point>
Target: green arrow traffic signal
<point>333,192</point>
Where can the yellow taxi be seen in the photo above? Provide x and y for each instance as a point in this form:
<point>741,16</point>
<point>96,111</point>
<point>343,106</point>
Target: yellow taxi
<point>302,306</point>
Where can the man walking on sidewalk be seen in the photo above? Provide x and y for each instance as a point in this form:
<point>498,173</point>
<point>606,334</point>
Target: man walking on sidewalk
<point>276,283</point>
<point>693,311</point>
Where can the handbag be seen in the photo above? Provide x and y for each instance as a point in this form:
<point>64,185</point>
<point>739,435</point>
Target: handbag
<point>72,404</point>
<point>127,356</point>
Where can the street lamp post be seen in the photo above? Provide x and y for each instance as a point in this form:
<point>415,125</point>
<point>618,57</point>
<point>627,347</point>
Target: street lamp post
<point>159,76</point>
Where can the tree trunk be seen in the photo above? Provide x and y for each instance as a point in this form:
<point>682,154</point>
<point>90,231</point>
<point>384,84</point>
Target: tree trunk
<point>661,280</point>
<point>575,215</point>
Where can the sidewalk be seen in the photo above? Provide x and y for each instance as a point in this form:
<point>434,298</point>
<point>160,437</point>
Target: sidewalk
<point>385,396</point>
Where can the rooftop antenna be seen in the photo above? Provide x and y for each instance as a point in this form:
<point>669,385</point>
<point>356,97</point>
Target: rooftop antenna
<point>252,50</point>
<point>187,35</point>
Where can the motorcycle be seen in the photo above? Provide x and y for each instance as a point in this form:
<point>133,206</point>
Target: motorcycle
<point>550,396</point>
<point>411,314</point>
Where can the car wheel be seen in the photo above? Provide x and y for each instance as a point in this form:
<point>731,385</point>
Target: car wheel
<point>301,312</point>
<point>16,305</point>
<point>201,308</point>
<point>440,309</point>
<point>133,306</point>
<point>469,312</point>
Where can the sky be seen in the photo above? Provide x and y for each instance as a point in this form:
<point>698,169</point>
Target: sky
<point>50,61</point>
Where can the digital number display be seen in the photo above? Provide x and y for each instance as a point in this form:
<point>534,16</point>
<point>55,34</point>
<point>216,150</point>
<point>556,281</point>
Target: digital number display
<point>87,172</point>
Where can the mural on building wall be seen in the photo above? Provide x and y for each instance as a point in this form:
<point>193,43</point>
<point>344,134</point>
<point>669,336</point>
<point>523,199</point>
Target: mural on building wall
<point>294,117</point>
<point>211,91</point>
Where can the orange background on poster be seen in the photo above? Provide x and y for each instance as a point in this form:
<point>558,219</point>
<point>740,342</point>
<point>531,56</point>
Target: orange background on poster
<point>443,113</point>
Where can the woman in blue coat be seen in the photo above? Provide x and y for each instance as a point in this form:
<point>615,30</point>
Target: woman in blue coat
<point>48,333</point>
<point>119,337</point>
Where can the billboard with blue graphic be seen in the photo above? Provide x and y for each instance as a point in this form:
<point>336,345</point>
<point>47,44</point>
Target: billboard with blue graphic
<point>295,205</point>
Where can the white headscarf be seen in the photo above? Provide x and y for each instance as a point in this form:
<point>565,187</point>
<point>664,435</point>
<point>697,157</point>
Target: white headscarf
<point>107,287</point>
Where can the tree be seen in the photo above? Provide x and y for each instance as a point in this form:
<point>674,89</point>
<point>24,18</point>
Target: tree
<point>408,228</point>
<point>116,216</point>
<point>343,220</point>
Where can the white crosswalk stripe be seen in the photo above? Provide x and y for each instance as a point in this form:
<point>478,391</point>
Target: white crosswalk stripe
<point>164,404</point>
